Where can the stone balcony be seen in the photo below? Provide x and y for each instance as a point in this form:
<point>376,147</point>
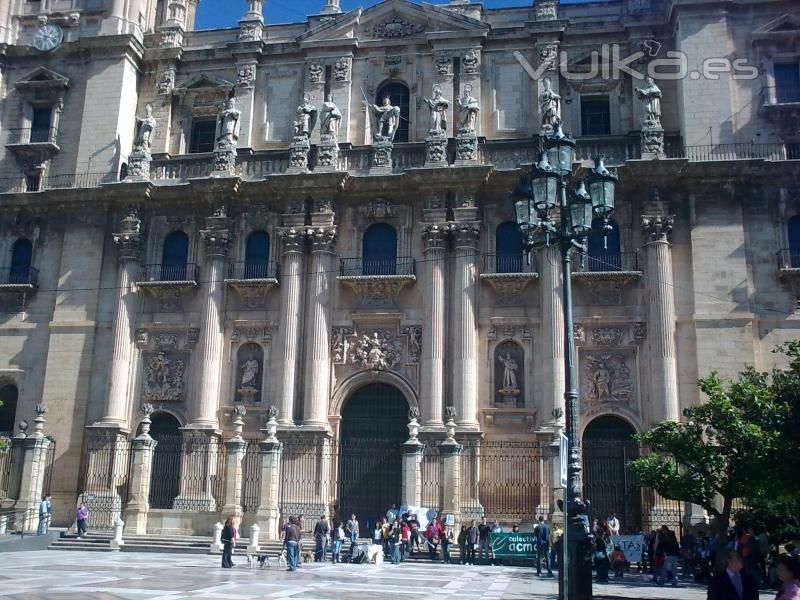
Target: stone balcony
<point>377,282</point>
<point>508,276</point>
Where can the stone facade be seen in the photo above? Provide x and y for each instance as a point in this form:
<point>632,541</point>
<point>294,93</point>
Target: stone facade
<point>99,325</point>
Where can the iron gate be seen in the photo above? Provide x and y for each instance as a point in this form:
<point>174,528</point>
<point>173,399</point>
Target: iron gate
<point>609,484</point>
<point>107,462</point>
<point>6,460</point>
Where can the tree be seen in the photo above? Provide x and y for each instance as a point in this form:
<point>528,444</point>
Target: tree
<point>726,448</point>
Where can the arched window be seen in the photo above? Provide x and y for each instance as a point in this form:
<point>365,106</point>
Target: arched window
<point>509,365</point>
<point>508,248</point>
<point>21,256</point>
<point>8,408</point>
<point>794,241</point>
<point>250,359</point>
<point>256,255</point>
<point>379,250</point>
<point>398,94</point>
<point>174,256</point>
<point>604,252</point>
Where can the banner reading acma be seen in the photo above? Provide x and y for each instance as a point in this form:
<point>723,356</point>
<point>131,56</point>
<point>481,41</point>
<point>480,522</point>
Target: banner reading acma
<point>513,545</point>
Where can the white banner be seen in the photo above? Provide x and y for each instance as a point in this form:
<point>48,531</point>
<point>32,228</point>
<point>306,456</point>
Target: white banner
<point>631,546</point>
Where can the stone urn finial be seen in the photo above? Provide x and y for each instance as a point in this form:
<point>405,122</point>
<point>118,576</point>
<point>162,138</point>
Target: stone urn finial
<point>38,422</point>
<point>271,426</point>
<point>146,410</point>
<point>239,412</point>
<point>450,423</point>
<point>413,424</point>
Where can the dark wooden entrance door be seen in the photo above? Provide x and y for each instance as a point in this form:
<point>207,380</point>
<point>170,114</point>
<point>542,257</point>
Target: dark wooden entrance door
<point>372,431</point>
<point>608,482</point>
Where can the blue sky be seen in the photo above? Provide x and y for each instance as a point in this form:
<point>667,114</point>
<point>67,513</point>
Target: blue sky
<point>226,13</point>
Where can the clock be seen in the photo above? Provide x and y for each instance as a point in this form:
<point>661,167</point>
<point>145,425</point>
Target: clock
<point>48,37</point>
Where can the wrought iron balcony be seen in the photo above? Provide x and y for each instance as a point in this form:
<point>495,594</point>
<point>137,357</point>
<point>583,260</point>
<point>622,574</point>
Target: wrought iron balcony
<point>508,275</point>
<point>608,262</point>
<point>248,270</point>
<point>251,280</point>
<point>498,264</point>
<point>19,279</point>
<point>167,274</point>
<point>30,135</point>
<point>375,267</point>
<point>735,151</point>
<point>788,258</point>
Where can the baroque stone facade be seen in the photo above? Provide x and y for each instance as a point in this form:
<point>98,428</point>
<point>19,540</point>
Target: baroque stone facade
<point>284,267</point>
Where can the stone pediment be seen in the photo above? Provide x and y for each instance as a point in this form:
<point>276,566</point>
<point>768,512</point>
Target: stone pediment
<point>393,20</point>
<point>788,23</point>
<point>42,78</point>
<point>204,82</point>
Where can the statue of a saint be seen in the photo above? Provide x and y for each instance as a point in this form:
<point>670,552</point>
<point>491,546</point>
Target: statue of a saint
<point>305,118</point>
<point>651,96</point>
<point>509,372</point>
<point>549,105</point>
<point>331,117</point>
<point>144,130</point>
<point>602,384</point>
<point>438,106</point>
<point>228,125</point>
<point>468,108</point>
<point>249,372</point>
<point>388,119</point>
<point>159,371</point>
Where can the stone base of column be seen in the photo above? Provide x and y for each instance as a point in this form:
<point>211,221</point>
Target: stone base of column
<point>436,149</point>
<point>381,157</point>
<point>327,154</point>
<point>466,149</point>
<point>298,155</point>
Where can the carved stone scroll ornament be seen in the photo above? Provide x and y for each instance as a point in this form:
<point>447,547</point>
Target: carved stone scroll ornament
<point>378,351</point>
<point>414,335</point>
<point>166,82</point>
<point>395,28</point>
<point>246,75</point>
<point>339,343</point>
<point>163,378</point>
<point>607,336</point>
<point>341,69</point>
<point>443,63</point>
<point>470,62</point>
<point>607,378</point>
<point>314,72</point>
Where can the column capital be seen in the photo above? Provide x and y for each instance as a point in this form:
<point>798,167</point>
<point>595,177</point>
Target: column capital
<point>656,228</point>
<point>291,240</point>
<point>434,236</point>
<point>217,235</point>
<point>466,235</point>
<point>323,239</point>
<point>129,239</point>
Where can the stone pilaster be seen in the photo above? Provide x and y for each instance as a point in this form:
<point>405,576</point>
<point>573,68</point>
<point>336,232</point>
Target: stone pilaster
<point>411,494</point>
<point>552,332</point>
<point>216,242</point>
<point>432,360</point>
<point>143,446</point>
<point>268,512</point>
<point>129,244</point>
<point>663,372</point>
<point>465,335</point>
<point>234,454</point>
<point>450,450</point>
<point>289,338</point>
<point>318,362</point>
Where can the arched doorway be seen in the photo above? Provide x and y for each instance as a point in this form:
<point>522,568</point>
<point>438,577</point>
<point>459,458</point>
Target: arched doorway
<point>372,431</point>
<point>165,474</point>
<point>608,482</point>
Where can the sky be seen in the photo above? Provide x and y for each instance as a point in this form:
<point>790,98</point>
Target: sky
<point>212,14</point>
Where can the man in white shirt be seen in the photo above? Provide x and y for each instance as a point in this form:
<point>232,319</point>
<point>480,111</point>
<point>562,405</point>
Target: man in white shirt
<point>45,511</point>
<point>613,524</point>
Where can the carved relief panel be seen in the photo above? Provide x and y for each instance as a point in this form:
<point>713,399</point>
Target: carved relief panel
<point>377,347</point>
<point>165,363</point>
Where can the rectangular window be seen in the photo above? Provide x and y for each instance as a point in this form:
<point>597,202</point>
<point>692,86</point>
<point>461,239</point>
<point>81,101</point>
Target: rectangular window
<point>202,139</point>
<point>595,115</point>
<point>41,124</point>
<point>787,82</point>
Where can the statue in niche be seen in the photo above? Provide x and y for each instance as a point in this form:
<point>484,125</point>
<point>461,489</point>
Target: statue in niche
<point>305,118</point>
<point>388,119</point>
<point>438,106</point>
<point>468,108</point>
<point>549,106</point>
<point>509,357</point>
<point>249,371</point>
<point>145,128</point>
<point>331,117</point>
<point>651,97</point>
<point>509,372</point>
<point>228,126</point>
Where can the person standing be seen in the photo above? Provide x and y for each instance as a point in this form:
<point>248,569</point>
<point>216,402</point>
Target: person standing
<point>733,583</point>
<point>788,571</point>
<point>432,536</point>
<point>471,539</point>
<point>338,540</point>
<point>484,529</point>
<point>352,529</point>
<point>462,544</point>
<point>555,534</point>
<point>228,539</point>
<point>668,544</point>
<point>45,512</point>
<point>395,542</point>
<point>613,523</point>
<point>405,536</point>
<point>292,541</point>
<point>413,525</point>
<point>447,540</point>
<point>321,532</point>
<point>542,536</point>
<point>81,515</point>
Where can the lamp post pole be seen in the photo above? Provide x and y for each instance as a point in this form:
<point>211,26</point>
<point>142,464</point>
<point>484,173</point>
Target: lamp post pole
<point>535,199</point>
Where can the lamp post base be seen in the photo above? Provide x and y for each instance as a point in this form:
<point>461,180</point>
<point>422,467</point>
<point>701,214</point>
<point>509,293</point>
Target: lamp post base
<point>579,570</point>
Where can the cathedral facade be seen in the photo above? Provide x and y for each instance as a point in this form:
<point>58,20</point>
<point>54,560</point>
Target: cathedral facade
<point>287,253</point>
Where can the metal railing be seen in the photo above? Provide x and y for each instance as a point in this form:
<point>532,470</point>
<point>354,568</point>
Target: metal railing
<point>369,267</point>
<point>31,135</point>
<point>253,270</point>
<point>781,94</point>
<point>606,262</point>
<point>733,151</point>
<point>161,272</point>
<point>19,276</point>
<point>788,258</point>
<point>507,263</point>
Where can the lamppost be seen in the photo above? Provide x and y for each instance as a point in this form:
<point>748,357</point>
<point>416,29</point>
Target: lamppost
<point>535,201</point>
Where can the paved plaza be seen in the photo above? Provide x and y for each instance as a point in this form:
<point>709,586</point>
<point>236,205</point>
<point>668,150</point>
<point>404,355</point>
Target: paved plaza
<point>55,575</point>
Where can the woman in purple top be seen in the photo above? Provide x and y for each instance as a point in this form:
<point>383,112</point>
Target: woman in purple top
<point>80,516</point>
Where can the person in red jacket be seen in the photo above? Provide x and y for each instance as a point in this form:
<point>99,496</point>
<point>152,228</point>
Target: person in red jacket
<point>433,533</point>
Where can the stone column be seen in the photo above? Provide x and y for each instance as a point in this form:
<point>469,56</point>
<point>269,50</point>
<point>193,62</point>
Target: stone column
<point>318,362</point>
<point>234,454</point>
<point>289,338</point>
<point>412,464</point>
<point>216,242</point>
<point>663,373</point>
<point>465,338</point>
<point>450,451</point>
<point>268,513</point>
<point>129,243</point>
<point>432,360</point>
<point>143,446</point>
<point>552,333</point>
<point>32,467</point>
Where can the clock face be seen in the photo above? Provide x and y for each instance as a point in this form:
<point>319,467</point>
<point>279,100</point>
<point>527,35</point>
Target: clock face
<point>48,37</point>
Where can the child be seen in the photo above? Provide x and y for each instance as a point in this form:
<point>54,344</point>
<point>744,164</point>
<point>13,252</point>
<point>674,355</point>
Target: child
<point>618,562</point>
<point>658,565</point>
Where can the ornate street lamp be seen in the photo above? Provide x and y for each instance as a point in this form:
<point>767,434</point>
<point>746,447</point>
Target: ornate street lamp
<point>534,200</point>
